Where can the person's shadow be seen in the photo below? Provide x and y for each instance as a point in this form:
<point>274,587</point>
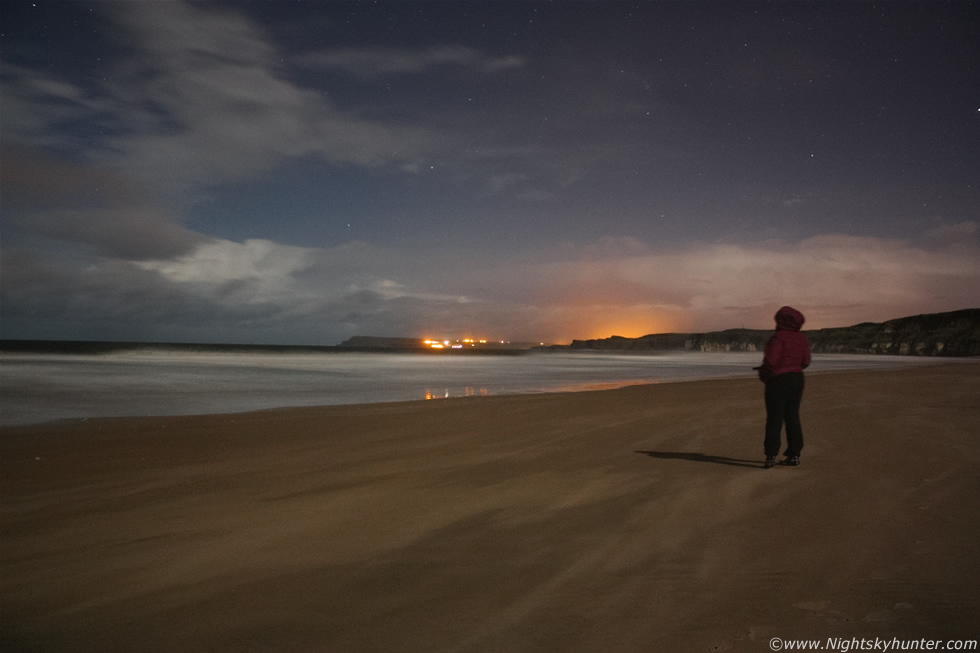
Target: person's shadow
<point>701,458</point>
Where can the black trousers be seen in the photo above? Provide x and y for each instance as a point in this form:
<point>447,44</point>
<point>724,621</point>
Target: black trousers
<point>783,396</point>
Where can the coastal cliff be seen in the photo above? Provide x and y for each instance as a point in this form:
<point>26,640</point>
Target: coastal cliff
<point>956,333</point>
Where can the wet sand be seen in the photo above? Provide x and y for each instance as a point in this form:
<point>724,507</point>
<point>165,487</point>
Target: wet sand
<point>637,519</point>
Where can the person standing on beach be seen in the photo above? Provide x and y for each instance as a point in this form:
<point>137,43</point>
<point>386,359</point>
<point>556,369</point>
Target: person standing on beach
<point>787,355</point>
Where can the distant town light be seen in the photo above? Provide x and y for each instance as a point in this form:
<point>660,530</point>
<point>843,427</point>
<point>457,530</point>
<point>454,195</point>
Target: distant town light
<point>460,343</point>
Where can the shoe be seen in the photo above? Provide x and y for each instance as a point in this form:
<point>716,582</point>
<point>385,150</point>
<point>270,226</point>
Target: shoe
<point>792,461</point>
<point>770,462</point>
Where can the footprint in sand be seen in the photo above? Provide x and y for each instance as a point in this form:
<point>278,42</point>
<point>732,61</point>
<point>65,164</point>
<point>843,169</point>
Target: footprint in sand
<point>879,617</point>
<point>758,633</point>
<point>755,633</point>
<point>888,615</point>
<point>821,609</point>
<point>812,606</point>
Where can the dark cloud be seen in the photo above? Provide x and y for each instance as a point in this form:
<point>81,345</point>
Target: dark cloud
<point>88,205</point>
<point>375,62</point>
<point>122,233</point>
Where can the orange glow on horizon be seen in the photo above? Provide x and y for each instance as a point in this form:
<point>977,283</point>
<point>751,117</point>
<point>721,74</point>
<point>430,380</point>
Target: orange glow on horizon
<point>602,323</point>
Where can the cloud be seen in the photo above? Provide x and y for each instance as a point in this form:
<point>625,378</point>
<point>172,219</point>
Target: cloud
<point>203,97</point>
<point>40,109</point>
<point>62,298</point>
<point>261,291</point>
<point>960,232</point>
<point>375,62</point>
<point>57,199</point>
<point>834,279</point>
<point>230,273</point>
<point>129,234</point>
<point>221,105</point>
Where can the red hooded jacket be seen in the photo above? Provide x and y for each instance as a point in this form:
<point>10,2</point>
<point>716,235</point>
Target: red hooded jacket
<point>788,349</point>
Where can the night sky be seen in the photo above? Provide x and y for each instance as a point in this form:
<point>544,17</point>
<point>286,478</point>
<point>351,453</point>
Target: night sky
<point>301,172</point>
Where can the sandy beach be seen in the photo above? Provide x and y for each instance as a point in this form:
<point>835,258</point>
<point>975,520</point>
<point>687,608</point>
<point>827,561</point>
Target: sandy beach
<point>636,519</point>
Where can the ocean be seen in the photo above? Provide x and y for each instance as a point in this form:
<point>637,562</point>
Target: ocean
<point>37,388</point>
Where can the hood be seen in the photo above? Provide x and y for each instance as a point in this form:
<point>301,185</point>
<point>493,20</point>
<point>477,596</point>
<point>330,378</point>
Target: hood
<point>789,319</point>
